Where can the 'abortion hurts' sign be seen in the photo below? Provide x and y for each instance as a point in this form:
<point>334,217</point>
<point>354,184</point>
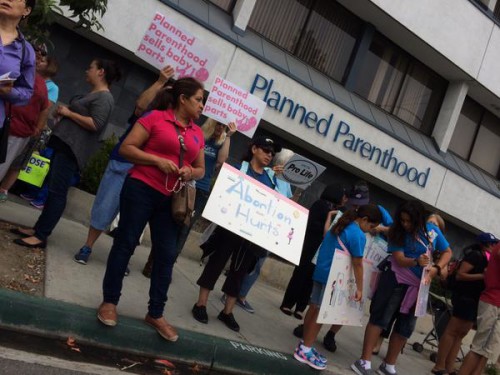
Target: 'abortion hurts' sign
<point>257,213</point>
<point>166,44</point>
<point>230,103</point>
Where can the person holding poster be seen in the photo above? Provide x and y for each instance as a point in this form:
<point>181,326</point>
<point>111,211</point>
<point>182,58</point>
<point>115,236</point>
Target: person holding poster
<point>224,244</point>
<point>154,146</point>
<point>299,288</point>
<point>217,142</point>
<point>410,241</point>
<point>348,234</point>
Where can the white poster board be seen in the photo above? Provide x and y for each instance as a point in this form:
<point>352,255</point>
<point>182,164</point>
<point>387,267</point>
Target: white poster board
<point>300,171</point>
<point>338,305</point>
<point>257,213</point>
<point>167,44</point>
<point>375,252</point>
<point>228,102</point>
<point>423,291</point>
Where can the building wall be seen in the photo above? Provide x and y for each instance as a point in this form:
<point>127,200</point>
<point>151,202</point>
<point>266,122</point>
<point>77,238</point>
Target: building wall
<point>125,24</point>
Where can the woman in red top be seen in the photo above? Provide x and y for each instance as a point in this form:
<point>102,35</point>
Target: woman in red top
<point>154,148</point>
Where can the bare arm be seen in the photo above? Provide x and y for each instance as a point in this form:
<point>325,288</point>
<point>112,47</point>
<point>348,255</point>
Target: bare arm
<point>357,267</point>
<point>149,94</point>
<point>402,261</point>
<point>131,150</point>
<point>85,122</point>
<point>196,170</point>
<point>464,275</point>
<point>328,221</point>
<point>42,121</point>
<point>224,150</point>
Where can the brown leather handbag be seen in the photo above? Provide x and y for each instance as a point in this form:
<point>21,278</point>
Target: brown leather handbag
<point>183,193</point>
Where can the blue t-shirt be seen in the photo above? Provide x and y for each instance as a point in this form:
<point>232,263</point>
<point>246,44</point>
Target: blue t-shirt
<point>263,177</point>
<point>354,240</point>
<point>114,153</point>
<point>52,90</point>
<point>211,152</point>
<point>414,248</point>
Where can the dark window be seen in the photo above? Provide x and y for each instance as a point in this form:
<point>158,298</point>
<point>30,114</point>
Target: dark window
<point>320,32</point>
<point>401,85</point>
<point>227,5</point>
<point>497,11</point>
<point>477,136</point>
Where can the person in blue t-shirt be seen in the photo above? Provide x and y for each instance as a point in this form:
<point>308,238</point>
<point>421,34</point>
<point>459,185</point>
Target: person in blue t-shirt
<point>107,201</point>
<point>347,234</point>
<point>410,240</point>
<point>217,142</point>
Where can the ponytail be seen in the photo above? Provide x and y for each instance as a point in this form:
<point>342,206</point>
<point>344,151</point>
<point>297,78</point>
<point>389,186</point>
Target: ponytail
<point>370,211</point>
<point>168,97</point>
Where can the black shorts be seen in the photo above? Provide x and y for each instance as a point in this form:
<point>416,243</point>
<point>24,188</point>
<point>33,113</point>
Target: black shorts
<point>465,308</point>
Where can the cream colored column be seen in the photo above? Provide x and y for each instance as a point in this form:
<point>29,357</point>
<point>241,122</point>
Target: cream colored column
<point>241,15</point>
<point>449,113</point>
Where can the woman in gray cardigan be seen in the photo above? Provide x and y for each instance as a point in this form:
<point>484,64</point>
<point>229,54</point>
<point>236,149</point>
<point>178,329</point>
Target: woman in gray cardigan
<point>75,140</point>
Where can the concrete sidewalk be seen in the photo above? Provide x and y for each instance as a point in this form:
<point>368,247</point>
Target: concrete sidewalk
<point>80,287</point>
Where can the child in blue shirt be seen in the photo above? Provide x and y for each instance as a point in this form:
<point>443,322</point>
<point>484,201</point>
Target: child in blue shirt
<point>347,234</point>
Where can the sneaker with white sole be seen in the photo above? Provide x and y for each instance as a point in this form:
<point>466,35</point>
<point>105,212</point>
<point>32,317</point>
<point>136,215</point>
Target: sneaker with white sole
<point>83,255</point>
<point>3,196</point>
<point>308,358</point>
<point>359,369</point>
<point>382,370</point>
<point>245,305</point>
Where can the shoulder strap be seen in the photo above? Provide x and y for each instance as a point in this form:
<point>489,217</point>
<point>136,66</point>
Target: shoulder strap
<point>180,138</point>
<point>342,244</point>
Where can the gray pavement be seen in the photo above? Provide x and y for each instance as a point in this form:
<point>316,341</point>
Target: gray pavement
<point>267,328</point>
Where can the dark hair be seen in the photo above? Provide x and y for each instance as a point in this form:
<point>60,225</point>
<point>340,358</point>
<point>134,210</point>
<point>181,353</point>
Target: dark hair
<point>52,67</point>
<point>334,193</point>
<point>416,211</point>
<point>370,211</point>
<point>31,4</point>
<point>170,93</point>
<point>111,69</point>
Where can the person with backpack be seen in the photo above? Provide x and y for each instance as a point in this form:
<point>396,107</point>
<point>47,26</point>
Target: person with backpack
<point>466,283</point>
<point>347,234</point>
<point>486,343</point>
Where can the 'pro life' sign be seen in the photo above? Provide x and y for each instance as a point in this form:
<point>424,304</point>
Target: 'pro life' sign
<point>300,171</point>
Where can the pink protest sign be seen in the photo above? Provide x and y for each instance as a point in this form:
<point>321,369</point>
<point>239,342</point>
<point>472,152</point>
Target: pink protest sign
<point>166,44</point>
<point>228,102</point>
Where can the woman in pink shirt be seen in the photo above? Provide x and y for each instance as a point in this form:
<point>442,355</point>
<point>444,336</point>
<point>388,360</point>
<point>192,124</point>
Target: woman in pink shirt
<point>154,147</point>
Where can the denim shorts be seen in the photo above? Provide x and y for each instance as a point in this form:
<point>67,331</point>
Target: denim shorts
<point>387,301</point>
<point>107,200</point>
<point>317,293</point>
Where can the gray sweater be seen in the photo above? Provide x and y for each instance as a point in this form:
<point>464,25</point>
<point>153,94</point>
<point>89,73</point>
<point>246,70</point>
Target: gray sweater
<point>84,143</point>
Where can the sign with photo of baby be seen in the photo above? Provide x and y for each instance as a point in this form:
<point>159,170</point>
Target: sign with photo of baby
<point>257,213</point>
<point>338,305</point>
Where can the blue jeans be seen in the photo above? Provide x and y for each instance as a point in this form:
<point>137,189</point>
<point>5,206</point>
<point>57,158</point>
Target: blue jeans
<point>140,204</point>
<point>107,200</point>
<point>62,170</point>
<point>252,277</point>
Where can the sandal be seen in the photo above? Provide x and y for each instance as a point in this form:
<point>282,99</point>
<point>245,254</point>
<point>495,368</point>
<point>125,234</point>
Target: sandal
<point>286,310</point>
<point>439,372</point>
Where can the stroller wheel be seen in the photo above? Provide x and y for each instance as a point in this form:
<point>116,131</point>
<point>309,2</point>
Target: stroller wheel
<point>418,347</point>
<point>433,357</point>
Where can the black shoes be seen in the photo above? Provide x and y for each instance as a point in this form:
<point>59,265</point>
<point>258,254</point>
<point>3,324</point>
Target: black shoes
<point>229,321</point>
<point>329,342</point>
<point>200,313</point>
<point>299,331</point>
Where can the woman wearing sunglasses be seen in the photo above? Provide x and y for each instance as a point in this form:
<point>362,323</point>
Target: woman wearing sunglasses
<point>243,253</point>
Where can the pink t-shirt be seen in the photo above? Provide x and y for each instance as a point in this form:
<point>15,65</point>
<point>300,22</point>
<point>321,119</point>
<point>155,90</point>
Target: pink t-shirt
<point>163,142</point>
<point>491,293</point>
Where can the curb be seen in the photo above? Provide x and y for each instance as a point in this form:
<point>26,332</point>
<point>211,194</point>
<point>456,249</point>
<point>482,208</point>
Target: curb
<point>50,318</point>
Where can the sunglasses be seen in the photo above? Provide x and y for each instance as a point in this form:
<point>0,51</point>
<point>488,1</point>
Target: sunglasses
<point>268,150</point>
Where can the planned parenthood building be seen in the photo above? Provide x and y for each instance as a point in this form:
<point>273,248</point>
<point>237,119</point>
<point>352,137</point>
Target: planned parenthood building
<point>402,94</point>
